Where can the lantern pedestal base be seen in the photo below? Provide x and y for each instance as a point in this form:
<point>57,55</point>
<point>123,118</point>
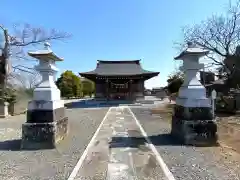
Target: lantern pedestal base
<point>46,125</point>
<point>194,126</point>
<point>43,135</point>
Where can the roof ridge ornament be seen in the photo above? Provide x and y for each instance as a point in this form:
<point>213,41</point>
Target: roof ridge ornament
<point>190,44</point>
<point>47,46</point>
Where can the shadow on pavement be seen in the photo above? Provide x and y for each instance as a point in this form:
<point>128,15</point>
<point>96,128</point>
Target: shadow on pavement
<point>15,145</point>
<point>10,145</point>
<point>95,104</point>
<point>135,142</point>
<point>157,140</point>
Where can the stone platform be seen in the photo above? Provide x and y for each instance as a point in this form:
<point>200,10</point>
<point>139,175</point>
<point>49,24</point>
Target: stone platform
<point>194,126</point>
<point>43,135</point>
<point>44,128</point>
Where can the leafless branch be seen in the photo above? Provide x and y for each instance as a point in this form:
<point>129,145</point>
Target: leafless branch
<point>23,37</point>
<point>28,35</point>
<point>220,34</point>
<point>24,69</point>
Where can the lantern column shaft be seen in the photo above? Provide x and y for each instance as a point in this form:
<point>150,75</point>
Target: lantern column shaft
<point>47,89</point>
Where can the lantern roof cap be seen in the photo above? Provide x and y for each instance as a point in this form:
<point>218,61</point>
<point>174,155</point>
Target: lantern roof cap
<point>45,54</point>
<point>192,49</point>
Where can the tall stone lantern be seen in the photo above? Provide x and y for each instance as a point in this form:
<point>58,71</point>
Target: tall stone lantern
<point>192,119</point>
<point>46,122</point>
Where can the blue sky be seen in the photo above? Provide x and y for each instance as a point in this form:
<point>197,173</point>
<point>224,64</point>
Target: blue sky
<point>114,30</point>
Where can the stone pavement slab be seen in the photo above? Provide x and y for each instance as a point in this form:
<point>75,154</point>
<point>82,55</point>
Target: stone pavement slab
<point>119,152</point>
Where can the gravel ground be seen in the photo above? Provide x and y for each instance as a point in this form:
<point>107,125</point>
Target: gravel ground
<point>186,162</point>
<point>46,164</point>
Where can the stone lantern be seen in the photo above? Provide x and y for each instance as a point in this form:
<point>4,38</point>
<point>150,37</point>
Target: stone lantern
<point>46,122</point>
<point>192,119</point>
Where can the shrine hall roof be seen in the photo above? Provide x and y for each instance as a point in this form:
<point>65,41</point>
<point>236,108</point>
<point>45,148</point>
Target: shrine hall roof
<point>119,68</point>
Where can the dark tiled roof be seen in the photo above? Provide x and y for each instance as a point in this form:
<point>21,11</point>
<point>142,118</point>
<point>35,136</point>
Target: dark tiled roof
<point>118,68</point>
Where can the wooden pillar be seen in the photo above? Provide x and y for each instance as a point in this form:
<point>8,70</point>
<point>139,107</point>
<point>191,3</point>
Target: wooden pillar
<point>98,90</point>
<point>142,87</point>
<point>107,89</point>
<point>130,90</point>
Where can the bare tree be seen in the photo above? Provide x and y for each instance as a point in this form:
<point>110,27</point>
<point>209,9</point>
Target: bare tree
<point>24,80</point>
<point>219,34</point>
<point>31,80</point>
<point>17,43</point>
<point>25,36</point>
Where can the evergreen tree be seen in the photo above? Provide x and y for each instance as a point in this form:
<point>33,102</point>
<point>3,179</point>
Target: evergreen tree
<point>69,84</point>
<point>76,86</point>
<point>88,87</point>
<point>175,81</point>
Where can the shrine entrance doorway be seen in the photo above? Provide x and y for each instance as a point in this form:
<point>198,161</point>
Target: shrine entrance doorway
<point>119,90</point>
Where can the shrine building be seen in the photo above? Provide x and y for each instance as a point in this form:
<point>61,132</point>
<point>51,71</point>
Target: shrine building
<point>119,79</point>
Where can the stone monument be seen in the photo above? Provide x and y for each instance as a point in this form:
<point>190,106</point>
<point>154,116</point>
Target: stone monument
<point>193,120</point>
<point>46,122</point>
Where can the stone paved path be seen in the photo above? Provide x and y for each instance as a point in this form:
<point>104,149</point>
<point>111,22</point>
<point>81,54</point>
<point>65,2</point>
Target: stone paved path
<point>118,151</point>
